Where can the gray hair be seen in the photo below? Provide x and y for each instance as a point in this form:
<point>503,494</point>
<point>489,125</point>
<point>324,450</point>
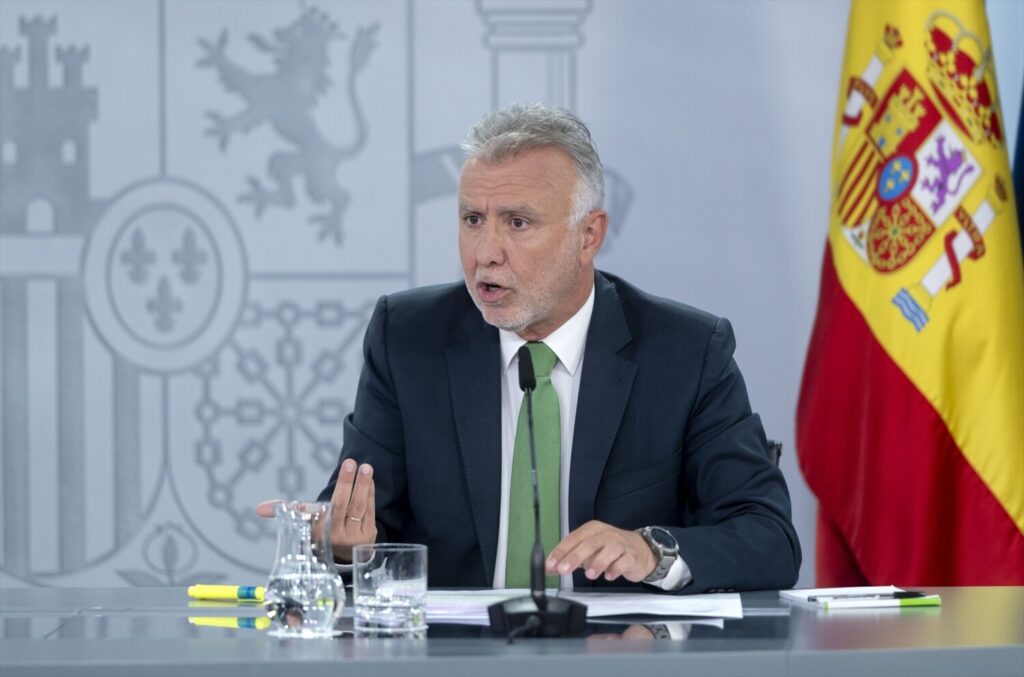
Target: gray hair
<point>523,127</point>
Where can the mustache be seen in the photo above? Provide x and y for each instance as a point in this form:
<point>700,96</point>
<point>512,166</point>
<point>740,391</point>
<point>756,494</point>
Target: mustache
<point>484,278</point>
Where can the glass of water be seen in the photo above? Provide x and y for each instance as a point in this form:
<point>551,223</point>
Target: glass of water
<point>389,584</point>
<point>305,596</point>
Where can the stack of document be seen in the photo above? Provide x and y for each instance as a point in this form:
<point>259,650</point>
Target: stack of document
<point>863,597</point>
<point>470,606</point>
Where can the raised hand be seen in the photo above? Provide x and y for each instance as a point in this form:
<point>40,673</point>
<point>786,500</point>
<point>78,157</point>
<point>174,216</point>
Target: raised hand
<point>354,514</point>
<point>354,509</point>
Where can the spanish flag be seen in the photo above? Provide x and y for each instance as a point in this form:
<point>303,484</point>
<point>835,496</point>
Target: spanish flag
<point>910,424</point>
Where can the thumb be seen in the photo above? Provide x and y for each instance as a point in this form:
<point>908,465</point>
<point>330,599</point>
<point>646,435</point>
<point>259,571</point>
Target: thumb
<point>266,508</point>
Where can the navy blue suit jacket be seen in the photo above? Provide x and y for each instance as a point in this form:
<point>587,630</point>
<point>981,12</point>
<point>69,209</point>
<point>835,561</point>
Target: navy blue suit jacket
<point>664,436</point>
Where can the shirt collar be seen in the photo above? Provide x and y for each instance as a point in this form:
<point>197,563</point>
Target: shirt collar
<point>567,342</point>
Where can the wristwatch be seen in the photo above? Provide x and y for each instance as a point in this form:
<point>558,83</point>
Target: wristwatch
<point>659,630</point>
<point>665,548</point>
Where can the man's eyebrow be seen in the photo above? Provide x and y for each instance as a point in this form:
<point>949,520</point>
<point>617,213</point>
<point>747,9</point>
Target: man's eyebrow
<point>525,210</point>
<point>505,210</point>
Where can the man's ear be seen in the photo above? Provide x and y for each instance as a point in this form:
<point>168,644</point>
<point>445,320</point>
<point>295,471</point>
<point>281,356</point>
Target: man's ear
<point>594,228</point>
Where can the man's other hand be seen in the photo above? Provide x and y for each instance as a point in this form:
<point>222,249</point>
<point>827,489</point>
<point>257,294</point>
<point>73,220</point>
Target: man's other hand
<point>635,631</point>
<point>601,549</point>
<point>354,516</point>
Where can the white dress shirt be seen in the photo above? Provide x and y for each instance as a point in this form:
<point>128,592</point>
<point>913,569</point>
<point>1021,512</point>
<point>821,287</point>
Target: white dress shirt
<point>568,343</point>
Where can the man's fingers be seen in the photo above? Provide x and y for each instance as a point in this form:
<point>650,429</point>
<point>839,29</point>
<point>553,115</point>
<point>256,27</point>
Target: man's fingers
<point>604,636</point>
<point>369,523</point>
<point>635,561</point>
<point>357,506</point>
<point>266,508</point>
<point>354,509</point>
<point>563,547</point>
<point>637,632</point>
<point>342,533</point>
<point>567,544</point>
<point>603,558</point>
<point>578,555</point>
<point>343,487</point>
<point>623,566</point>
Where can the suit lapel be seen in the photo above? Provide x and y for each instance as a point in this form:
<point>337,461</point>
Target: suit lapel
<point>473,372</point>
<point>605,387</point>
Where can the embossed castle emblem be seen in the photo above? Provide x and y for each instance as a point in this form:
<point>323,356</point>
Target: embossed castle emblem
<point>286,98</point>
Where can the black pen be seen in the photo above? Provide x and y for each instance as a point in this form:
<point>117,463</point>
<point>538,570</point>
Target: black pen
<point>899,594</point>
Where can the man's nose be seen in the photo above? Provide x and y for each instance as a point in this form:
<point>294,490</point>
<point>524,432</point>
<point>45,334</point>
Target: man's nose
<point>490,248</point>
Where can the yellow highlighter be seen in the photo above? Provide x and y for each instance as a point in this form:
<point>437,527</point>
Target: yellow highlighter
<point>257,623</point>
<point>227,593</point>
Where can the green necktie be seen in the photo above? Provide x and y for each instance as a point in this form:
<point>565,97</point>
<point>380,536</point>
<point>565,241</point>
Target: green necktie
<point>547,431</point>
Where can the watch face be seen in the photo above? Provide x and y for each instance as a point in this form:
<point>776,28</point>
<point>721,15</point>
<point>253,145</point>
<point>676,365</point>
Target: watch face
<point>663,538</point>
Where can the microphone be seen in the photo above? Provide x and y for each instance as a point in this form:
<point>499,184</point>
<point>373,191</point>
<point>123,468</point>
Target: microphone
<point>536,615</point>
<point>528,383</point>
<point>527,379</point>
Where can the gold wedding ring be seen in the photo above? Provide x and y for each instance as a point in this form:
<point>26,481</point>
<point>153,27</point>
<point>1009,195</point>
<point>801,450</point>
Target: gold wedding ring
<point>354,519</point>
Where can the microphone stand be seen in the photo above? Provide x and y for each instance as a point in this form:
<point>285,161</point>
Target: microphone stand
<point>537,615</point>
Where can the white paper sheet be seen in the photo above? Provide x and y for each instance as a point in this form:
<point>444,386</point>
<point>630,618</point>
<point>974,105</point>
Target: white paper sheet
<point>455,606</point>
<point>802,595</point>
<point>872,597</point>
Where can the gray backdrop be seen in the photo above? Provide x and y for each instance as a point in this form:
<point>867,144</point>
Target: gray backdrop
<point>200,201</point>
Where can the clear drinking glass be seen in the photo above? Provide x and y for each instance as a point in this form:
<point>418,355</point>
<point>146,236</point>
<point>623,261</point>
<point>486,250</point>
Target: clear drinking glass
<point>389,585</point>
<point>305,596</point>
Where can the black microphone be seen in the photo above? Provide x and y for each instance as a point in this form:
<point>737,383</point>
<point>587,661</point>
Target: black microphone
<point>528,383</point>
<point>527,379</point>
<point>536,615</point>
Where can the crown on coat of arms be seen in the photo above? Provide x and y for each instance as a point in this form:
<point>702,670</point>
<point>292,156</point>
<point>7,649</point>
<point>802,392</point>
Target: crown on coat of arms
<point>959,68</point>
<point>892,37</point>
<point>891,41</point>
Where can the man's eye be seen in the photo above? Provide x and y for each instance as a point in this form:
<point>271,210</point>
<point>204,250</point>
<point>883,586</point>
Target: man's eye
<point>472,219</point>
<point>518,224</point>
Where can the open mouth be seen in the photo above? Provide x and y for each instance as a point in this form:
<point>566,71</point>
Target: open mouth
<point>490,292</point>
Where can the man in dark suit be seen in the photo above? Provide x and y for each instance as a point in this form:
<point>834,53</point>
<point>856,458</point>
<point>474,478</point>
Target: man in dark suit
<point>654,468</point>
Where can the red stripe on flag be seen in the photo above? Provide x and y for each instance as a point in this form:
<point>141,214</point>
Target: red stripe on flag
<point>865,188</point>
<point>869,205</point>
<point>863,202</point>
<point>835,566</point>
<point>849,169</point>
<point>856,183</point>
<point>888,475</point>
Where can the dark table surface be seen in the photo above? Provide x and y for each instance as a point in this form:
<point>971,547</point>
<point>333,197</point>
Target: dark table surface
<point>146,631</point>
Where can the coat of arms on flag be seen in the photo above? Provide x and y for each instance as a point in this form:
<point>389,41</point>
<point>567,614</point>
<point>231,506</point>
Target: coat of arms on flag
<point>909,169</point>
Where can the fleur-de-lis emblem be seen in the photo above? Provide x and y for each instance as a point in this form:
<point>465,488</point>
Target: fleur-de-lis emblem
<point>165,305</point>
<point>138,258</point>
<point>189,258</point>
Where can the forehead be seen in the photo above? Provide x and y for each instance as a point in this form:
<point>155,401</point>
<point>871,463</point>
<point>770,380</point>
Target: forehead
<point>540,174</point>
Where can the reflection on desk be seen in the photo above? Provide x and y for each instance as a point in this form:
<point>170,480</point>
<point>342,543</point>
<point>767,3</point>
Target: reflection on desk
<point>98,626</point>
<point>84,632</point>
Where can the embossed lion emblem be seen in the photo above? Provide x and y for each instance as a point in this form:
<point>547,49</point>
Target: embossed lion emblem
<point>285,99</point>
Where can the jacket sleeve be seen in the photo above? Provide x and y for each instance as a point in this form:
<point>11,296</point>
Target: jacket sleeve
<point>373,432</point>
<point>739,535</point>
